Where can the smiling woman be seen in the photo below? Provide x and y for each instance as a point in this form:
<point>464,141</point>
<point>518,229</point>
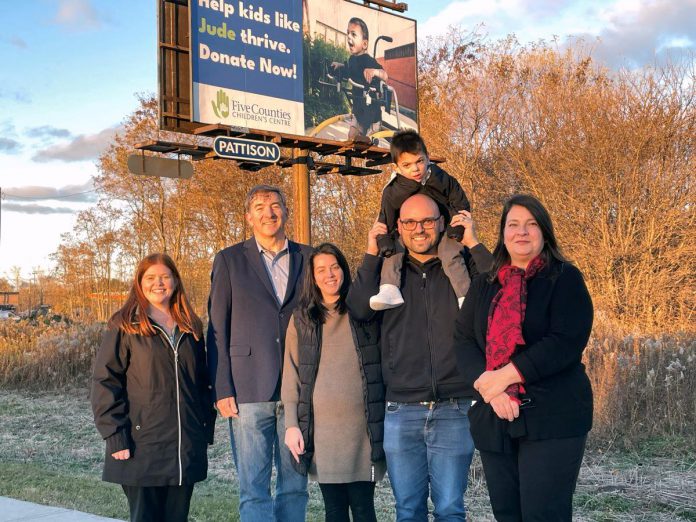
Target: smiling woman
<point>332,391</point>
<point>520,337</point>
<point>151,397</point>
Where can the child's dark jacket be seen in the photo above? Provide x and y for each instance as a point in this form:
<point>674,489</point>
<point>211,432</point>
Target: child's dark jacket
<point>443,188</point>
<point>365,114</point>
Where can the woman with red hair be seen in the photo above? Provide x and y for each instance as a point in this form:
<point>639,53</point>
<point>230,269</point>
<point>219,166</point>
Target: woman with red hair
<point>151,397</point>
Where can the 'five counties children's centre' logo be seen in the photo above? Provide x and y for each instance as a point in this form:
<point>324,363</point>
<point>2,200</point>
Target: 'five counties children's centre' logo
<point>221,105</point>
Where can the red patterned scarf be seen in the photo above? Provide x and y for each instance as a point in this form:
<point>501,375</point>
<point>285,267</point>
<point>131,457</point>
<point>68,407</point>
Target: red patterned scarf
<point>506,315</point>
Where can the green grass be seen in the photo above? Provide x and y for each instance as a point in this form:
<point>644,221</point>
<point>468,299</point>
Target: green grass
<point>606,503</point>
<point>50,453</point>
<point>43,485</point>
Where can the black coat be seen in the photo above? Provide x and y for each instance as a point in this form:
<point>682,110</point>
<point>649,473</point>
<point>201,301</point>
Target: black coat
<point>556,328</point>
<point>443,188</point>
<point>418,360</point>
<point>246,332</point>
<point>155,402</point>
<point>366,341</point>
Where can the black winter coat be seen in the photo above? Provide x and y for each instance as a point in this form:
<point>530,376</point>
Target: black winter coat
<point>154,399</point>
<point>443,188</point>
<point>556,328</point>
<point>418,359</point>
<point>366,341</point>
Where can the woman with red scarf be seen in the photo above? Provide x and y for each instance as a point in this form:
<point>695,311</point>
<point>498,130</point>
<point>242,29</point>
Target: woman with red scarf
<point>520,337</point>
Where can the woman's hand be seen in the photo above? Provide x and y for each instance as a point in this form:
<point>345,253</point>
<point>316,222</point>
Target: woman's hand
<point>121,455</point>
<point>490,384</point>
<point>294,442</point>
<point>504,407</point>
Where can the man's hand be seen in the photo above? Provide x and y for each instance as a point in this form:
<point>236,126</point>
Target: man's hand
<point>465,219</point>
<point>492,383</point>
<point>376,230</point>
<point>294,442</point>
<point>504,407</point>
<point>121,455</point>
<point>228,407</point>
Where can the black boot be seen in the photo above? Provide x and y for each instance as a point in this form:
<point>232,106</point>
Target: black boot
<point>456,233</point>
<point>386,244</point>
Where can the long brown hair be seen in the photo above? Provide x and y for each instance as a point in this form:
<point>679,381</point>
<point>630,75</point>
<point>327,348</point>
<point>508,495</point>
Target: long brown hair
<point>132,316</point>
<point>311,302</point>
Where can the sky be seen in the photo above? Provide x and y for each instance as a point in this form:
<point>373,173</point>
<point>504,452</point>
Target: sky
<point>71,70</point>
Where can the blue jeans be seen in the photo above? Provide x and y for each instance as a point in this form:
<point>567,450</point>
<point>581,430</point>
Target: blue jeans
<point>257,442</point>
<point>428,448</point>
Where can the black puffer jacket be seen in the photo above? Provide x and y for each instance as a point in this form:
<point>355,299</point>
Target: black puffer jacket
<point>366,340</point>
<point>153,398</point>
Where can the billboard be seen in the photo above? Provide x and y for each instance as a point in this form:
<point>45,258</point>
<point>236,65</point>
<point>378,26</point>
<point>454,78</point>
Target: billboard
<point>326,68</point>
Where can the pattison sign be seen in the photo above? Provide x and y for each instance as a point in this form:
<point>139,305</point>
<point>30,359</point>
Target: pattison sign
<point>246,150</point>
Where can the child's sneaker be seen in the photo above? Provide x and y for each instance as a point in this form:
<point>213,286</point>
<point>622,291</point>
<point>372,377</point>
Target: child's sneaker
<point>389,296</point>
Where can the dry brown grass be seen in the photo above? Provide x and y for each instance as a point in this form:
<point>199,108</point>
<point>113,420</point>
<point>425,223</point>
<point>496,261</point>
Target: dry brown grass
<point>39,356</point>
<point>644,387</point>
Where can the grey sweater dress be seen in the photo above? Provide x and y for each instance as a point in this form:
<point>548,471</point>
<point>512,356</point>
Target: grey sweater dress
<point>341,443</point>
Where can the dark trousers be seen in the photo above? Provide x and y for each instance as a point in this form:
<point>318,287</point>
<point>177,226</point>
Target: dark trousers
<point>159,504</point>
<point>358,496</point>
<point>536,481</point>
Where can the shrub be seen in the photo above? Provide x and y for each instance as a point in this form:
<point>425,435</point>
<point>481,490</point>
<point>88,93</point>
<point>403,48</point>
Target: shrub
<point>47,356</point>
<point>644,388</point>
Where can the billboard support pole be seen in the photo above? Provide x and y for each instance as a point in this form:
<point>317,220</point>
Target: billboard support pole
<point>302,207</point>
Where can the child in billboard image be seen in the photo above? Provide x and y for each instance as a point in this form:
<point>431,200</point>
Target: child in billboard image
<point>416,175</point>
<point>364,70</point>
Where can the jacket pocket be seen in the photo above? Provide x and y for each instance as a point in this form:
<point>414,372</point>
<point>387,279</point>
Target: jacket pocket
<point>153,417</point>
<point>240,350</point>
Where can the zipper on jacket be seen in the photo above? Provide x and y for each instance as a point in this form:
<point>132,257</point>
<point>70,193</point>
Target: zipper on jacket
<point>430,340</point>
<point>175,349</point>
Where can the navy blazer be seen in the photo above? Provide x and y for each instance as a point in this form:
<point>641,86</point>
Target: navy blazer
<point>246,329</point>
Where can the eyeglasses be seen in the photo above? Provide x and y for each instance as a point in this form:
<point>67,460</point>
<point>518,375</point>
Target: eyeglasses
<point>427,223</point>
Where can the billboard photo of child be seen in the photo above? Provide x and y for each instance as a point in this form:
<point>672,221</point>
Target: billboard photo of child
<point>364,72</point>
<point>359,72</point>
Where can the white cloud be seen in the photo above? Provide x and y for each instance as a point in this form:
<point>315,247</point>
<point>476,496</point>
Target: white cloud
<point>79,149</point>
<point>33,208</point>
<point>78,15</point>
<point>630,32</point>
<point>636,32</point>
<point>9,146</point>
<point>83,193</point>
<point>47,131</point>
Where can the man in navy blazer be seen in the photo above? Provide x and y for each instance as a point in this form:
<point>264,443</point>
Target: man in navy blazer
<point>254,288</point>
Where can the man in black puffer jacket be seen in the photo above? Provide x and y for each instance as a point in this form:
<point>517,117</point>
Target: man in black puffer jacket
<point>426,430</point>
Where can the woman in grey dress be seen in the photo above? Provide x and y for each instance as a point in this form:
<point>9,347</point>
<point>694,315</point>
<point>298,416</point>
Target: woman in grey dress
<point>333,393</point>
